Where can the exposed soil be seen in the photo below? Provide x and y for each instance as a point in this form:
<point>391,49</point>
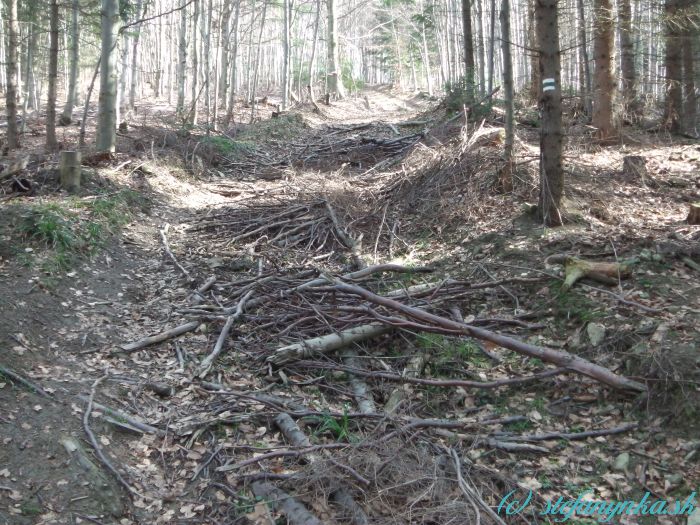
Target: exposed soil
<point>424,200</point>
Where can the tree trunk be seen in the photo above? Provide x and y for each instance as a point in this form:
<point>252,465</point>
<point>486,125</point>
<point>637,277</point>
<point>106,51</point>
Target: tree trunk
<point>256,67</point>
<point>603,117</point>
<point>314,46</point>
<point>335,75</point>
<point>71,95</point>
<point>192,115</point>
<point>11,92</point>
<point>469,67</point>
<point>107,112</point>
<point>629,72</point>
<point>551,174</point>
<point>673,63</point>
<point>223,44</point>
<point>690,41</point>
<point>585,81</point>
<point>506,181</point>
<point>492,44</point>
<point>234,60</point>
<point>51,143</point>
<point>140,13</point>
<point>534,54</point>
<point>182,60</point>
<point>287,51</point>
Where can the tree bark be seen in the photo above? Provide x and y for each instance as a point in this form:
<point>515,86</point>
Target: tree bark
<point>51,143</point>
<point>287,51</point>
<point>314,46</point>
<point>469,65</point>
<point>674,97</point>
<point>140,12</point>
<point>11,91</point>
<point>629,71</point>
<point>603,117</point>
<point>182,60</point>
<point>107,112</point>
<point>551,173</point>
<point>335,75</point>
<point>690,47</point>
<point>71,95</point>
<point>585,67</point>
<point>535,87</point>
<point>506,181</point>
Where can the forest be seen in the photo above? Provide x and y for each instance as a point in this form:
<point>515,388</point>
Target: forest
<point>349,262</point>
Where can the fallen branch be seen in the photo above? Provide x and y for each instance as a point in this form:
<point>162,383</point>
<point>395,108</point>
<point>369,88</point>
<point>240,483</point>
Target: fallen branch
<point>206,364</point>
<point>93,441</point>
<point>123,417</point>
<point>572,436</point>
<point>16,377</point>
<point>326,343</point>
<point>280,501</point>
<point>446,383</point>
<point>559,358</point>
<point>163,232</point>
<point>360,390</point>
<point>159,338</point>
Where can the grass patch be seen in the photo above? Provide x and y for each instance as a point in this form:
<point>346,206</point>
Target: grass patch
<point>68,230</point>
<point>228,147</point>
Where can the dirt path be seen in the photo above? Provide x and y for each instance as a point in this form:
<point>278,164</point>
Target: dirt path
<point>263,230</point>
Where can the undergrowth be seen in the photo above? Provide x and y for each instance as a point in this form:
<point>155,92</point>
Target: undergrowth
<point>66,231</point>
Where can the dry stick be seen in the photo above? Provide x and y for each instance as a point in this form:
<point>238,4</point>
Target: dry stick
<point>91,437</point>
<point>163,232</point>
<point>341,495</point>
<point>438,382</point>
<point>472,495</point>
<point>205,366</point>
<point>574,435</point>
<point>139,425</point>
<point>295,512</point>
<point>559,358</point>
<point>348,241</point>
<point>360,390</point>
<point>16,377</point>
<point>197,295</point>
<point>163,336</point>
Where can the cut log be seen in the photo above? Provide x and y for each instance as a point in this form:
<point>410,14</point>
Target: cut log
<point>694,214</point>
<point>577,269</point>
<point>326,343</point>
<point>70,170</point>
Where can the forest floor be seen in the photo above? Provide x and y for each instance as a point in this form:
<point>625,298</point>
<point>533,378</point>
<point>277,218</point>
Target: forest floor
<point>418,424</point>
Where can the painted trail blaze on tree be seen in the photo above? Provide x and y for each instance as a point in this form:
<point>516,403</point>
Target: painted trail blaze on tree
<point>551,174</point>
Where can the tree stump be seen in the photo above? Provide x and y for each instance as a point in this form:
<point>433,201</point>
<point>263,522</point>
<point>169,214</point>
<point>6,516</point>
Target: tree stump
<point>70,170</point>
<point>635,167</point>
<point>694,214</point>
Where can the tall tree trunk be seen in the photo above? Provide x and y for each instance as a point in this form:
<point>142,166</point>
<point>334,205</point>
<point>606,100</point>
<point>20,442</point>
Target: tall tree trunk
<point>192,115</point>
<point>224,45</point>
<point>287,52</point>
<point>492,43</point>
<point>506,175</point>
<point>673,63</point>
<point>551,173</point>
<point>335,74</point>
<point>11,91</point>
<point>71,95</point>
<point>690,41</point>
<point>182,60</point>
<point>628,69</point>
<point>107,112</point>
<point>585,66</point>
<point>534,86</point>
<point>603,111</point>
<point>257,62</point>
<point>468,48</point>
<point>51,143</point>
<point>140,13</point>
<point>234,61</point>
<point>314,46</point>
